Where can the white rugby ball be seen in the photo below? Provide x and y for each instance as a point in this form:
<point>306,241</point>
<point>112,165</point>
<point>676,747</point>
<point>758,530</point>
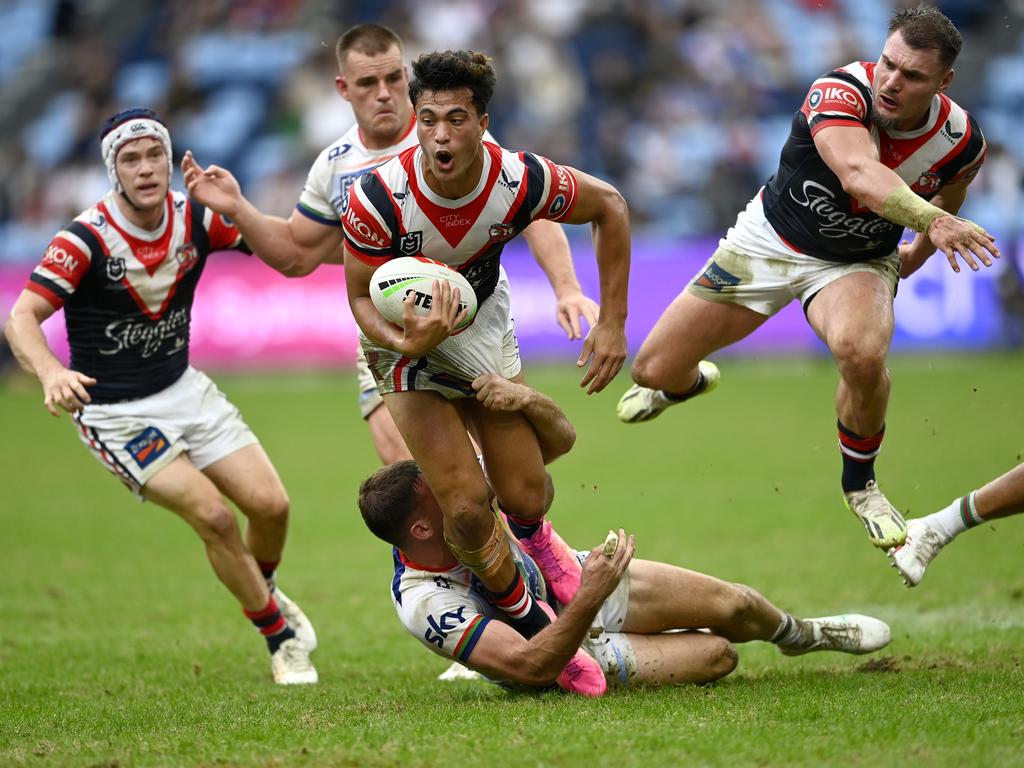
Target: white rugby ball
<point>397,278</point>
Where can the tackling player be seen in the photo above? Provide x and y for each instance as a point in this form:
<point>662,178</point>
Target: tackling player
<point>125,272</point>
<point>622,614</point>
<point>873,143</point>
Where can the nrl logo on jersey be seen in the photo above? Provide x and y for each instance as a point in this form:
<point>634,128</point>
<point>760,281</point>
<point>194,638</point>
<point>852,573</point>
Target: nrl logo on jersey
<point>186,255</point>
<point>116,269</point>
<point>411,243</point>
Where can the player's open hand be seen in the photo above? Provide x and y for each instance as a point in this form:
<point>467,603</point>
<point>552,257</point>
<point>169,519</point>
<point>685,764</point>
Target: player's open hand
<point>571,307</point>
<point>605,348</point>
<point>424,332</point>
<point>64,388</point>
<point>960,237</point>
<point>604,566</point>
<point>213,186</point>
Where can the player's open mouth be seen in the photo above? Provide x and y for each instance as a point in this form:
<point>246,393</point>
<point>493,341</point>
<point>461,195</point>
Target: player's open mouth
<point>888,102</point>
<point>444,159</point>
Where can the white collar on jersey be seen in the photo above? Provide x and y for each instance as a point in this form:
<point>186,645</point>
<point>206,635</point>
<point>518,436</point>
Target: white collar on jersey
<point>135,231</point>
<point>444,202</point>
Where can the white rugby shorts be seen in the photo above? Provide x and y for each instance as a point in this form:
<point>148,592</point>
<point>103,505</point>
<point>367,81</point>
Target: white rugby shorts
<point>753,267</point>
<point>135,439</point>
<point>489,345</point>
<point>611,647</point>
<point>369,398</point>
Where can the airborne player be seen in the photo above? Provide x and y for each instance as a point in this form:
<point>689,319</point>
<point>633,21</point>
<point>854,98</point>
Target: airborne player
<point>125,272</point>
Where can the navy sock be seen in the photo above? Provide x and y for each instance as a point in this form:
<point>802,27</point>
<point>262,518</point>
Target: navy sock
<point>859,455</point>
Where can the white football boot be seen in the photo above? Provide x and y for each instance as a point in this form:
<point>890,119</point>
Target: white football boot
<point>849,633</point>
<point>643,404</point>
<point>885,525</point>
<point>290,664</point>
<point>296,619</point>
<point>458,672</point>
<point>922,545</point>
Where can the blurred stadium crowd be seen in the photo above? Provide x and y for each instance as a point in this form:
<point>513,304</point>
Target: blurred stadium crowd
<point>683,104</point>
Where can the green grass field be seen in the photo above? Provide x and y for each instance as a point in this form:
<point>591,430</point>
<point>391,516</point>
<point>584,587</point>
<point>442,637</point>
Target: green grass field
<point>118,647</point>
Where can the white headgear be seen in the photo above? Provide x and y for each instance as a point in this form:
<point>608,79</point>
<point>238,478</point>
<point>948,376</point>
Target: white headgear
<point>137,124</point>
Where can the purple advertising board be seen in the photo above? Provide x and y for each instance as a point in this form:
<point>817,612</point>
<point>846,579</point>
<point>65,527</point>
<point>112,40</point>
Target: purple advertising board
<point>248,316</point>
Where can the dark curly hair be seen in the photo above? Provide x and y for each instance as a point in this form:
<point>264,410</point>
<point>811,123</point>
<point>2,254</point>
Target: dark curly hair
<point>926,27</point>
<point>452,70</point>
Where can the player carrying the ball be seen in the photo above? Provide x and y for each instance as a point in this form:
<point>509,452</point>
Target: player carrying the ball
<point>458,199</point>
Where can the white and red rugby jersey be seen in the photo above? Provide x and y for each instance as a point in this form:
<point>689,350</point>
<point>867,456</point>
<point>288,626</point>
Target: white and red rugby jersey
<point>127,292</point>
<point>806,204</point>
<point>391,212</point>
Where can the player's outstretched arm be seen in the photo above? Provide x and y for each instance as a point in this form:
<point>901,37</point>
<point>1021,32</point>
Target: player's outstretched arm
<point>555,433</point>
<point>915,253</point>
<point>853,157</point>
<point>504,654</point>
<point>601,205</point>
<point>294,246</point>
<point>550,248</point>
<point>62,387</point>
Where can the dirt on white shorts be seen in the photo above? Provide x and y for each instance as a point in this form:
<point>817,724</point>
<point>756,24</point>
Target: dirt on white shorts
<point>753,267</point>
<point>489,345</point>
<point>606,642</point>
<point>135,439</point>
<point>369,398</point>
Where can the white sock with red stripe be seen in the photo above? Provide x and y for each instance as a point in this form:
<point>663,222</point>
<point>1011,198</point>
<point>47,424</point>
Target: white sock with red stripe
<point>516,602</point>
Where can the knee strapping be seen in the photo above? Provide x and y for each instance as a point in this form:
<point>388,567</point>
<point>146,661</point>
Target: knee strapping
<point>489,560</point>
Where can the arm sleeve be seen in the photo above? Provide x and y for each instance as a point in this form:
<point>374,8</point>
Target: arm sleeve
<point>551,188</point>
<point>835,99</point>
<point>64,264</point>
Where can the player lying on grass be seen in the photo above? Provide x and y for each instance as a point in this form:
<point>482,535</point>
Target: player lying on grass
<point>623,614</point>
<point>1001,497</point>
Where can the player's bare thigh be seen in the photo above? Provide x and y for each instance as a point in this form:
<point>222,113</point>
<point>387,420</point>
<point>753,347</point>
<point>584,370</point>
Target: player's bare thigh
<point>513,459</point>
<point>436,436</point>
<point>855,308</point>
<point>249,478</point>
<point>663,597</point>
<point>690,329</point>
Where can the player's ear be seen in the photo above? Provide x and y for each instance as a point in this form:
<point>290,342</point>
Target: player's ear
<point>946,81</point>
<point>421,529</point>
<point>485,120</point>
<point>341,86</point>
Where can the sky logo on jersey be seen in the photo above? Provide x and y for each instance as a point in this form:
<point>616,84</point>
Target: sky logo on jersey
<point>440,627</point>
<point>147,446</point>
<point>716,278</point>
